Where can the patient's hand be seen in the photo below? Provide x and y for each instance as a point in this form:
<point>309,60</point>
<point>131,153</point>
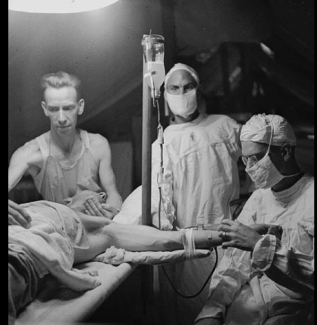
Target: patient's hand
<point>95,208</point>
<point>18,215</point>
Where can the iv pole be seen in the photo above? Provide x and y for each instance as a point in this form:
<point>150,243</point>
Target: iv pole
<point>146,152</point>
<point>150,53</point>
<point>153,75</point>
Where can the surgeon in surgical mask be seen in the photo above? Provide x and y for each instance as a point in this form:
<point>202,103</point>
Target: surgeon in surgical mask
<point>182,93</point>
<point>200,154</point>
<point>267,277</point>
<point>199,182</point>
<point>265,156</point>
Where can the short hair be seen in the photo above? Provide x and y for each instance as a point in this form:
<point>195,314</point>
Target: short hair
<point>61,79</point>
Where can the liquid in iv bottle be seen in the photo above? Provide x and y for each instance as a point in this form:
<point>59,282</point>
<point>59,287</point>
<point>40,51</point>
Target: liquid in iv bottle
<point>153,52</point>
<point>157,71</point>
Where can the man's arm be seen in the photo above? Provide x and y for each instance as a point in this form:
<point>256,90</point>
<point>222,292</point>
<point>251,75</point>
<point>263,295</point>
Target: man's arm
<point>19,164</point>
<point>18,215</point>
<point>23,159</point>
<point>233,129</point>
<point>107,177</point>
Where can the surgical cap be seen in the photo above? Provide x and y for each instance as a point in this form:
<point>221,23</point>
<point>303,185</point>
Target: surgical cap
<point>181,66</point>
<point>260,127</point>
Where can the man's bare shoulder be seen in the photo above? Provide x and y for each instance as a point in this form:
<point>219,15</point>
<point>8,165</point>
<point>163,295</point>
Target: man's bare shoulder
<point>99,145</point>
<point>30,153</point>
<point>97,140</point>
<point>29,147</point>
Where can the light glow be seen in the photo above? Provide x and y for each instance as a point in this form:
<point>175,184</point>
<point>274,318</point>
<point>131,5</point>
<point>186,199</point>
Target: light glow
<point>58,6</point>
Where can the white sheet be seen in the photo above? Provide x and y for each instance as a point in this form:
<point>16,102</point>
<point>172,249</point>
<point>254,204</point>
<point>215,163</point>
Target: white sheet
<point>59,305</point>
<point>116,256</point>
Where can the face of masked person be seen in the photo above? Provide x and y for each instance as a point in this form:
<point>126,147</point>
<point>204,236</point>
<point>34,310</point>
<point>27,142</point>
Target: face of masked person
<point>184,104</point>
<point>259,165</point>
<point>181,93</point>
<point>264,174</point>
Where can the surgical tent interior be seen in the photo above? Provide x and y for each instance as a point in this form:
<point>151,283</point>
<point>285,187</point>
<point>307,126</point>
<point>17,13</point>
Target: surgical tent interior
<point>252,57</point>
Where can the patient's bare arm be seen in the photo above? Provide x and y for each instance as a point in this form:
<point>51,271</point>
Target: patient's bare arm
<point>104,233</point>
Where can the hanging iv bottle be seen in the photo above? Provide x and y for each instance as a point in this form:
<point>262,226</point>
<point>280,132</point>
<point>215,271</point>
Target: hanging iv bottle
<point>153,53</point>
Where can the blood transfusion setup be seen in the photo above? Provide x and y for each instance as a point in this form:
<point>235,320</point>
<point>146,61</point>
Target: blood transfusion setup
<point>107,270</point>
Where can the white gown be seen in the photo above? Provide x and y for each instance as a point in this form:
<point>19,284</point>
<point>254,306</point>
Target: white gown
<point>274,285</point>
<point>200,170</point>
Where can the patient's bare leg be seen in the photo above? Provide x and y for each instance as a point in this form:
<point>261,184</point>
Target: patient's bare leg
<point>103,233</point>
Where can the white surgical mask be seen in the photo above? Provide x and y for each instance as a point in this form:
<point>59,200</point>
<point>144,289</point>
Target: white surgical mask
<point>184,104</point>
<point>264,174</point>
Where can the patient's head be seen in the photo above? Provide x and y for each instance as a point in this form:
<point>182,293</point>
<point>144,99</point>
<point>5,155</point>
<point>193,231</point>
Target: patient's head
<point>77,202</point>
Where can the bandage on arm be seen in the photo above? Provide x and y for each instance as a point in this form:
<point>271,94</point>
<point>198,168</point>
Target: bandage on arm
<point>188,242</point>
<point>199,238</point>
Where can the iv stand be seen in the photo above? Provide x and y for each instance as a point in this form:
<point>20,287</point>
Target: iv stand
<point>147,270</point>
<point>153,63</point>
<point>146,152</point>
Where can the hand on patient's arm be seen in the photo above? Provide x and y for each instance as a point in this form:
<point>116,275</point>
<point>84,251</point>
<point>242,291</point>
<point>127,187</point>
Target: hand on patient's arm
<point>95,208</point>
<point>109,211</point>
<point>236,234</point>
<point>18,215</point>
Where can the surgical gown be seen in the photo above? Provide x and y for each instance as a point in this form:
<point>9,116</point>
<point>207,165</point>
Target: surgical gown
<point>274,284</point>
<point>200,176</point>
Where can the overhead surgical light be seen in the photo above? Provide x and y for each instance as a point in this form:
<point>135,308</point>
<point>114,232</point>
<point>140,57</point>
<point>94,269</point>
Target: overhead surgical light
<point>58,6</point>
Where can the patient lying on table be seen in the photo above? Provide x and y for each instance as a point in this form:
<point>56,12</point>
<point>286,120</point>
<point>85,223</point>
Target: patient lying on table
<point>62,235</point>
